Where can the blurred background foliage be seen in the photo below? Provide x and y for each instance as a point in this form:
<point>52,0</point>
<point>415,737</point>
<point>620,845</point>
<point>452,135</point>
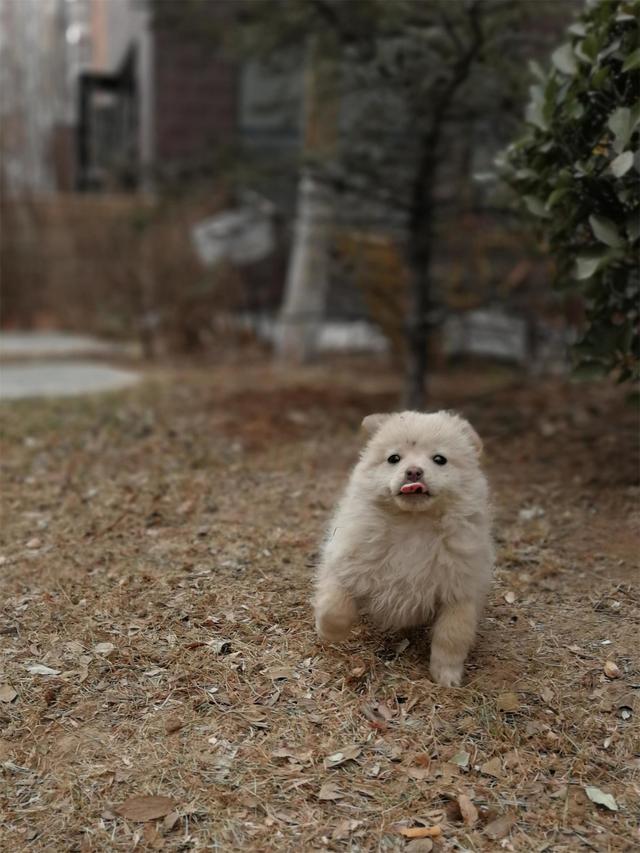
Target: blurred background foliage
<point>395,111</point>
<point>577,171</point>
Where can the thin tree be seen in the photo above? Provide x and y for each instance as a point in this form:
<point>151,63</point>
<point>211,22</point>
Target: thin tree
<point>304,302</point>
<point>417,79</point>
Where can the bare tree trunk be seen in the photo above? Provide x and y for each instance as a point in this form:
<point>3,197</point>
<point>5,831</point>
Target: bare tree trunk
<point>304,303</point>
<point>418,332</point>
<point>419,256</point>
<point>147,309</point>
<point>420,241</point>
<point>303,309</point>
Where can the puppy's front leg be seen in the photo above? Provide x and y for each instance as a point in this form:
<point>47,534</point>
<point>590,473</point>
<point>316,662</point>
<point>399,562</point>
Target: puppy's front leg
<point>335,611</point>
<point>453,635</point>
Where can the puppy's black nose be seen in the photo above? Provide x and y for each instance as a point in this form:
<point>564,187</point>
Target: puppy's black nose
<point>413,474</point>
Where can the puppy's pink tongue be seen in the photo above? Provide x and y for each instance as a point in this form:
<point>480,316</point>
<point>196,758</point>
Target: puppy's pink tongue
<point>413,488</point>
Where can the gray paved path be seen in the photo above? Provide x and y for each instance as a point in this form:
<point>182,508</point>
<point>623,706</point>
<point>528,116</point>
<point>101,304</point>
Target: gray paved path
<point>34,364</point>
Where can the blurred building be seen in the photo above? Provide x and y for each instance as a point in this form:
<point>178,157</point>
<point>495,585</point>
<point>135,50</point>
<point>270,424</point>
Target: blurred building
<point>34,88</point>
<point>162,97</point>
<point>112,94</point>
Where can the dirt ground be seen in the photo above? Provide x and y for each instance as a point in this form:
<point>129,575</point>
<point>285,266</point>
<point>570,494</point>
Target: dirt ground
<point>161,687</point>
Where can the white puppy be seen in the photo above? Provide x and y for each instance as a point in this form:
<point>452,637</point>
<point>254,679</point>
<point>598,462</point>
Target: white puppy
<point>410,541</point>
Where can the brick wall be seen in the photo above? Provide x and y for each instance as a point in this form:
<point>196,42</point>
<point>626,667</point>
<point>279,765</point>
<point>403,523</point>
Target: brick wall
<point>195,94</point>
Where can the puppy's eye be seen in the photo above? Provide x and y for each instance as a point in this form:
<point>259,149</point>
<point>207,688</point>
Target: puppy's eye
<point>439,460</point>
<point>393,459</point>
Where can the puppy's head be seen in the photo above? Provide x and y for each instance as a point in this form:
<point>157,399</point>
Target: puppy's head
<point>419,461</point>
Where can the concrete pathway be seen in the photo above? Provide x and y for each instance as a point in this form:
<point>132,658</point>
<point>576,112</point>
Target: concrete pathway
<point>58,344</point>
<point>37,364</point>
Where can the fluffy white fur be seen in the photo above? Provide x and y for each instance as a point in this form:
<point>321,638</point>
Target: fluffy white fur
<point>405,560</point>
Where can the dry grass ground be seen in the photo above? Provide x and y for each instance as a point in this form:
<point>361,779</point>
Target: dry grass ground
<point>155,554</point>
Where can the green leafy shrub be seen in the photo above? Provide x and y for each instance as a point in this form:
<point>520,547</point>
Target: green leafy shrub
<point>577,171</point>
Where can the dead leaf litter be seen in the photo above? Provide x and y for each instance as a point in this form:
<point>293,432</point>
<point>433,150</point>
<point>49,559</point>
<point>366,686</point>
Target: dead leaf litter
<point>161,686</point>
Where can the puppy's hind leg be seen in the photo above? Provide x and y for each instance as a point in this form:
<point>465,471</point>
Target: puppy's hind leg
<point>453,635</point>
<point>335,611</point>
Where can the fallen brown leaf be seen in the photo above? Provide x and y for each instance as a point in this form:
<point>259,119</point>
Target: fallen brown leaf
<point>345,827</point>
<point>281,752</point>
<point>256,718</point>
<point>492,768</point>
<point>559,794</point>
<point>173,724</point>
<point>329,791</point>
<point>508,702</point>
<point>144,808</point>
<point>511,760</point>
<point>7,693</point>
<point>302,757</point>
<point>500,827</point>
<point>347,753</point>
<point>421,831</point>
<point>468,811</point>
<point>417,773</point>
<point>152,837</point>
<point>419,845</point>
<point>170,821</point>
<point>546,695</point>
<point>385,711</point>
<point>277,672</point>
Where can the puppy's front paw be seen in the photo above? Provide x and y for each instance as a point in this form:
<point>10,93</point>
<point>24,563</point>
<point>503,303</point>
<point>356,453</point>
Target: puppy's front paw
<point>330,630</point>
<point>447,674</point>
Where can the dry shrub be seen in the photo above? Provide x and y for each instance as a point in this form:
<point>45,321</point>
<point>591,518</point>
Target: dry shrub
<point>480,261</point>
<point>374,262</point>
<point>483,259</point>
<point>115,265</point>
<point>68,260</point>
<point>181,299</point>
<point>21,262</point>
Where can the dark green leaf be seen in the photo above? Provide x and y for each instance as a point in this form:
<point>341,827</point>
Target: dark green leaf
<point>564,60</point>
<point>578,29</point>
<point>535,109</point>
<point>621,165</point>
<point>587,265</point>
<point>606,231</point>
<point>633,226</point>
<point>589,370</point>
<point>536,206</point>
<point>537,71</point>
<point>556,195</point>
<point>620,125</point>
<point>633,61</point>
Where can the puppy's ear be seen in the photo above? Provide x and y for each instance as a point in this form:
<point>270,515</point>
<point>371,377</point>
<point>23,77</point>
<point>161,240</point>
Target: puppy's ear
<point>372,423</point>
<point>469,432</point>
<point>473,437</point>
